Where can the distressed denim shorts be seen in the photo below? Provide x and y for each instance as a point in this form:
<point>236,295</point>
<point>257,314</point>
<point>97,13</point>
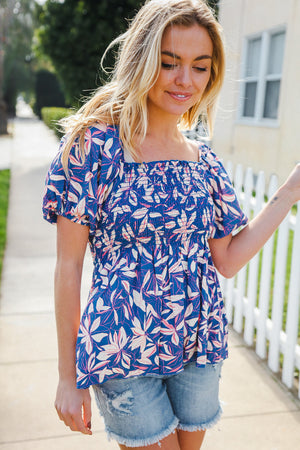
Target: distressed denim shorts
<point>141,411</point>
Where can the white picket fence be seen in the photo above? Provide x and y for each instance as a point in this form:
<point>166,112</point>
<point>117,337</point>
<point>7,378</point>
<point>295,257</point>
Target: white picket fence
<point>260,295</point>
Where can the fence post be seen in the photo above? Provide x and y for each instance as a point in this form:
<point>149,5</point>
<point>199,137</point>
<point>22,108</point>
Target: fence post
<point>253,267</point>
<point>241,280</point>
<point>277,308</point>
<point>293,309</point>
<point>265,285</point>
<point>229,169</point>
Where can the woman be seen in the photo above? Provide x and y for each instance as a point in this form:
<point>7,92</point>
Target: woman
<point>159,212</point>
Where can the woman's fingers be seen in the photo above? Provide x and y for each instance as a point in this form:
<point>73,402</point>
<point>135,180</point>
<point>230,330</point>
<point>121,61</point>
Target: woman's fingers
<point>74,421</point>
<point>78,424</point>
<point>87,410</point>
<point>74,409</point>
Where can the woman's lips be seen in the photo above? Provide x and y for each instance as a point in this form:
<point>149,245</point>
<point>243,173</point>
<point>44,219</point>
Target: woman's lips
<point>180,96</point>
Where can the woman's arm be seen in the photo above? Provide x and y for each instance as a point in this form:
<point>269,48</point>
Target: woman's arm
<point>73,405</point>
<point>231,253</point>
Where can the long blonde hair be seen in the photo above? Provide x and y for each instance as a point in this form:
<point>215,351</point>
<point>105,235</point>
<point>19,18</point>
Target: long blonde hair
<point>123,100</point>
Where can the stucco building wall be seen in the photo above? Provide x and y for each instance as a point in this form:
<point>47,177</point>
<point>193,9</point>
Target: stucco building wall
<point>272,147</point>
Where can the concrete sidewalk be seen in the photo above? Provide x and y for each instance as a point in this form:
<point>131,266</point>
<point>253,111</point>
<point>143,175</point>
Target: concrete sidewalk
<point>258,412</point>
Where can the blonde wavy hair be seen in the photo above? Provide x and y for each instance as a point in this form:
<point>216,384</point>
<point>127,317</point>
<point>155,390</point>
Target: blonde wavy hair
<point>123,100</point>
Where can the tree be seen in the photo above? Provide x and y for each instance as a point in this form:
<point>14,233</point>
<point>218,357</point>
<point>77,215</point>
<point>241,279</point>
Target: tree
<point>3,112</point>
<point>16,35</point>
<point>75,34</point>
<point>214,4</point>
<point>47,91</point>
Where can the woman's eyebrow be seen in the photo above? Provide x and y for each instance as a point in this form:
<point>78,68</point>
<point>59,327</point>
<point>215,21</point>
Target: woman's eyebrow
<point>173,55</point>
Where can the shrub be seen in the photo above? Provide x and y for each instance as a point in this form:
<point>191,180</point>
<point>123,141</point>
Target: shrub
<point>4,193</point>
<point>52,115</point>
<point>47,91</point>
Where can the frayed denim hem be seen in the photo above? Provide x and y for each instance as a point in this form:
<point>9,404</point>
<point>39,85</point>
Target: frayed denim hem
<point>146,441</point>
<point>202,426</point>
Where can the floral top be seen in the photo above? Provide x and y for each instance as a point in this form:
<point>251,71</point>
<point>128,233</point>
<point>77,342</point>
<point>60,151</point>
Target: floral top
<point>155,302</point>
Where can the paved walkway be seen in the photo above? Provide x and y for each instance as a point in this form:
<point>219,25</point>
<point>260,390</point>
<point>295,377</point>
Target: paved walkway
<point>258,412</point>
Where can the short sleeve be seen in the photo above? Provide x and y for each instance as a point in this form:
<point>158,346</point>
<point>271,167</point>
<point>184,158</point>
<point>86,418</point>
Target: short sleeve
<point>75,196</point>
<point>228,216</point>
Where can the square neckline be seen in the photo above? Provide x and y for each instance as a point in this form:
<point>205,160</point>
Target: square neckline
<point>125,152</point>
<point>159,161</point>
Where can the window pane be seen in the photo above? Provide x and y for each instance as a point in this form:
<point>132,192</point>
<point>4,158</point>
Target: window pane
<point>276,53</point>
<point>253,57</point>
<point>250,97</point>
<point>271,99</point>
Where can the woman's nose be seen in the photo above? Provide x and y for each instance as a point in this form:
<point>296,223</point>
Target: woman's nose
<point>183,77</point>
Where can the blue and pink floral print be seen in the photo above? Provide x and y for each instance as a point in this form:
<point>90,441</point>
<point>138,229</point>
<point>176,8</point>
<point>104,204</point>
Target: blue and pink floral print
<point>155,302</point>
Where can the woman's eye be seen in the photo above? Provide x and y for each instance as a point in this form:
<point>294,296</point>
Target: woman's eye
<point>167,66</point>
<point>201,69</point>
<point>173,66</point>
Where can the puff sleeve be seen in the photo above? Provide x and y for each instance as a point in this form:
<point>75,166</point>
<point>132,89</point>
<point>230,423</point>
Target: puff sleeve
<point>75,196</point>
<point>228,216</point>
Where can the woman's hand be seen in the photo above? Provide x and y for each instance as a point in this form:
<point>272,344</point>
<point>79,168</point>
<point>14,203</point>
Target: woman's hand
<point>73,407</point>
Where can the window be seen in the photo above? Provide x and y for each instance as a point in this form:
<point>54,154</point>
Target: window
<point>262,76</point>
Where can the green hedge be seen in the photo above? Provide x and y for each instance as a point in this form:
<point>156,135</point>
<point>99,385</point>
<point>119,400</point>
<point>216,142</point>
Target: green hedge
<point>4,193</point>
<point>51,115</point>
<point>48,92</point>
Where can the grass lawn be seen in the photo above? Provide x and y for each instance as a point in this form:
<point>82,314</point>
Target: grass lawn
<point>4,190</point>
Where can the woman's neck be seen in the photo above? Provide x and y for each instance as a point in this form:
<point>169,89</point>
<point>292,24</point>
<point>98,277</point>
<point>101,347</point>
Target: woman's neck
<point>163,128</point>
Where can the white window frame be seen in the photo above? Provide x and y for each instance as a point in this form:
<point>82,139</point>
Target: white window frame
<point>262,78</point>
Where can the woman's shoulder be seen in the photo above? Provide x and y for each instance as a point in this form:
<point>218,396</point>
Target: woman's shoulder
<point>196,146</point>
<point>98,132</point>
<point>93,131</point>
<point>209,156</point>
<point>95,140</point>
<point>103,144</point>
<point>206,154</point>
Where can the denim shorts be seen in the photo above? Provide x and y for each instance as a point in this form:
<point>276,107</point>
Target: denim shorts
<point>143,410</point>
